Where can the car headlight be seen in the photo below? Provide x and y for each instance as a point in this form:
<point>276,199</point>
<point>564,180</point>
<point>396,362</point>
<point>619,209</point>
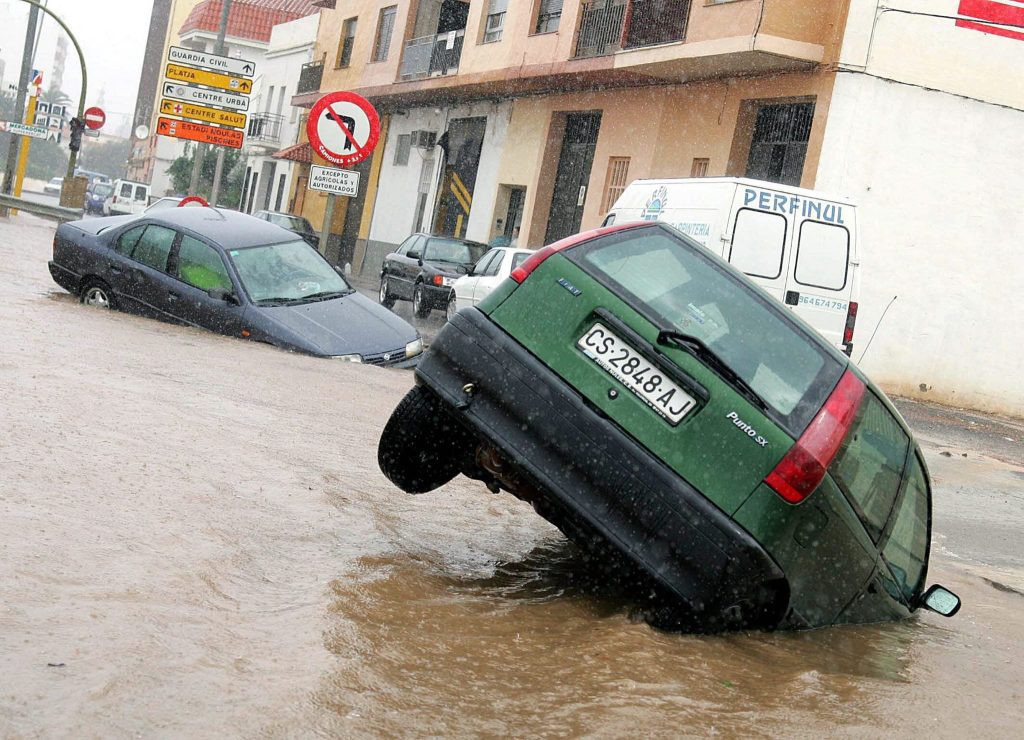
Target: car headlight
<point>348,358</point>
<point>414,348</point>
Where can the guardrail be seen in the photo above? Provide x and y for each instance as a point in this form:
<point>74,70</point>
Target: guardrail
<point>58,213</point>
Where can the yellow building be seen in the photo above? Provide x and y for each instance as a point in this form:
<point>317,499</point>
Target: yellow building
<point>525,118</point>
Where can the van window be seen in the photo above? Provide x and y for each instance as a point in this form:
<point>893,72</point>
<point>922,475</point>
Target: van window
<point>823,255</point>
<point>140,193</point>
<point>126,190</point>
<point>758,243</point>
<point>869,466</point>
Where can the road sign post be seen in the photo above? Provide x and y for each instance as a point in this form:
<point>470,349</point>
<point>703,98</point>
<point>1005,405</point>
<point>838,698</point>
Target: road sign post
<point>343,128</point>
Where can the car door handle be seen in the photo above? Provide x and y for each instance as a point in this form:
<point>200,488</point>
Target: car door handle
<point>172,296</point>
<point>114,270</point>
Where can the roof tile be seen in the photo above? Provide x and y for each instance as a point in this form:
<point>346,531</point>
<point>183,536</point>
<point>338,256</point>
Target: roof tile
<point>247,19</point>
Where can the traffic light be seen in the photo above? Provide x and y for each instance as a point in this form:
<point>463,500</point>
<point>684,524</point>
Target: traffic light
<point>77,126</point>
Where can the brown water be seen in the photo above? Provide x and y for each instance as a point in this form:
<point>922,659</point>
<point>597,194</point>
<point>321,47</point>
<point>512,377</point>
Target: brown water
<point>195,535</point>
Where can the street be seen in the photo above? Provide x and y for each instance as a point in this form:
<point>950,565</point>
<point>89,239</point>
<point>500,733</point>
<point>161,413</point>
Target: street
<point>197,541</point>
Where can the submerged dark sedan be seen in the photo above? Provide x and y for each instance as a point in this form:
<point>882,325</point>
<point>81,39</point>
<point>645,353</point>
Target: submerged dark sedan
<point>232,274</point>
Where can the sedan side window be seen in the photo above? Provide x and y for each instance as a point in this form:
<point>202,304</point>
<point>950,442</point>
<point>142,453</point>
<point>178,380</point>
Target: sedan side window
<point>199,265</point>
<point>415,249</point>
<point>480,268</point>
<point>154,247</point>
<point>907,548</point>
<point>127,241</point>
<point>869,466</point>
<point>492,269</point>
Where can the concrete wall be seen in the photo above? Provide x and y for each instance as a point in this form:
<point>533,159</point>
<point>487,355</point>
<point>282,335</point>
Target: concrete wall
<point>942,229</point>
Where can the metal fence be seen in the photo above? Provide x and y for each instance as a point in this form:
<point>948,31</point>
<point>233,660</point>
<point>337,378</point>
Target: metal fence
<point>435,55</point>
<point>657,22</point>
<point>265,127</point>
<point>600,28</point>
<point>310,76</point>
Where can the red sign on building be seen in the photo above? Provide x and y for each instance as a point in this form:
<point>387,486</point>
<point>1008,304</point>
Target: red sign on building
<point>994,17</point>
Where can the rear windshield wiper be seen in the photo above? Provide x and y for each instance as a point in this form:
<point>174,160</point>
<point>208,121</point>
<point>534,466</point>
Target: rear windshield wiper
<point>696,347</point>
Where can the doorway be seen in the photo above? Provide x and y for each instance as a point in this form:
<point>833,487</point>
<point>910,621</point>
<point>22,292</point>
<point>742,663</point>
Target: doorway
<point>573,175</point>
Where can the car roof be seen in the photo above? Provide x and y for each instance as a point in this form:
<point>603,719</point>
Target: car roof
<point>229,229</point>
<point>449,238</point>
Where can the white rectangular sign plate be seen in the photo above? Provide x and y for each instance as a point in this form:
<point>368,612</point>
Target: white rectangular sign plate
<point>330,180</point>
<point>217,63</point>
<point>202,96</point>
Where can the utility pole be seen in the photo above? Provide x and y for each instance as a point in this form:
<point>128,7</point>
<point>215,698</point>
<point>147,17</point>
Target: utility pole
<point>24,79</point>
<point>197,162</point>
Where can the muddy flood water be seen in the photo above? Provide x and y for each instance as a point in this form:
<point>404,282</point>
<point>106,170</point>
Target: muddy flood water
<point>196,541</point>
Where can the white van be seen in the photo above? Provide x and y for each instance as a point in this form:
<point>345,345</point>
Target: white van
<point>128,197</point>
<point>799,245</point>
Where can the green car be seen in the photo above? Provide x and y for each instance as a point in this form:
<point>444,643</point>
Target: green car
<point>675,420</point>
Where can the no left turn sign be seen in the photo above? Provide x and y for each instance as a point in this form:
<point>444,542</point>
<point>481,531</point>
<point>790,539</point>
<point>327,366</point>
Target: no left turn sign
<point>343,128</point>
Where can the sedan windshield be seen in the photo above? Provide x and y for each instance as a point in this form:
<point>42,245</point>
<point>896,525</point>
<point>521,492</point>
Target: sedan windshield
<point>453,251</point>
<point>291,272</point>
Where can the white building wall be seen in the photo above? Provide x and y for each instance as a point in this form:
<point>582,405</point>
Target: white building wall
<point>394,214</point>
<point>938,188</point>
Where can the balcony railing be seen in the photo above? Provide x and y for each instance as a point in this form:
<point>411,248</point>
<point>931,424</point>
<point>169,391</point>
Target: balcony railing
<point>608,26</point>
<point>310,76</point>
<point>657,22</point>
<point>265,128</point>
<point>431,56</point>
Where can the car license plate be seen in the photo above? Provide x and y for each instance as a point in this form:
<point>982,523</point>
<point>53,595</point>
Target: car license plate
<point>631,369</point>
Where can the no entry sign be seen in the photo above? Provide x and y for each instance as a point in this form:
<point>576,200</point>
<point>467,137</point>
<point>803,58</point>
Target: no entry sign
<point>343,128</point>
<point>95,117</point>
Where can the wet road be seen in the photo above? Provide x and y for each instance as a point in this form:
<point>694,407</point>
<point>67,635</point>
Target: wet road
<point>197,542</point>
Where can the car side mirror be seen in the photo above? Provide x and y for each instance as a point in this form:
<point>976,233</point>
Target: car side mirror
<point>941,600</point>
<point>220,294</point>
<point>414,256</point>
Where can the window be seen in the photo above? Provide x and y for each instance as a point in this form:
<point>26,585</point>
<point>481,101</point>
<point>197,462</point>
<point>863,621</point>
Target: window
<point>907,548</point>
<point>758,243</point>
<point>452,251</point>
<point>126,190</point>
<point>402,147</point>
<point>126,242</point>
<point>154,247</point>
<point>494,23</point>
<point>141,193</point>
<point>779,142</point>
<point>348,39</point>
<point>494,266</point>
<point>411,247</point>
<point>385,27</point>
<point>615,181</point>
<point>869,466</point>
<point>270,100</point>
<point>199,265</point>
<point>699,168</point>
<point>549,13</point>
<point>679,286</point>
<point>823,255</point>
<point>518,259</point>
<point>480,268</point>
<point>280,192</point>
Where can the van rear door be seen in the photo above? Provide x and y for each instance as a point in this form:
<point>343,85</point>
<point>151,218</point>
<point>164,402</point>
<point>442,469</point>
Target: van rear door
<point>760,237</point>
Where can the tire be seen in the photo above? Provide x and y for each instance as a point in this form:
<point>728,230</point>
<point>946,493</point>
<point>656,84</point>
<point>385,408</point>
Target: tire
<point>422,447</point>
<point>386,299</point>
<point>420,307</point>
<point>451,308</point>
<point>97,293</point>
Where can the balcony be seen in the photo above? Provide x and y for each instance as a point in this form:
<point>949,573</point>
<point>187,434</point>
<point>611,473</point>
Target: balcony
<point>310,76</point>
<point>265,128</point>
<point>432,56</point>
<point>608,26</point>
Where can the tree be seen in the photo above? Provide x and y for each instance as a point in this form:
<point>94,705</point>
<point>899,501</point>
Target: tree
<point>107,156</point>
<point>231,178</point>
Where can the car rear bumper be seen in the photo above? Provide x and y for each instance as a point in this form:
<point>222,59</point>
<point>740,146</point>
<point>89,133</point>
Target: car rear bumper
<point>436,296</point>
<point>64,277</point>
<point>599,485</point>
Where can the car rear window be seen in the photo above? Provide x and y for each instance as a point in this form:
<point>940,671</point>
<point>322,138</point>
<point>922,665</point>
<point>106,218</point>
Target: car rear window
<point>454,251</point>
<point>679,286</point>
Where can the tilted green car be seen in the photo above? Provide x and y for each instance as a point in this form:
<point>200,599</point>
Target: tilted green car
<point>665,413</point>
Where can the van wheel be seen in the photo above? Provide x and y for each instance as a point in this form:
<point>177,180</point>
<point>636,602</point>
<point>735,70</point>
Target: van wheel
<point>422,447</point>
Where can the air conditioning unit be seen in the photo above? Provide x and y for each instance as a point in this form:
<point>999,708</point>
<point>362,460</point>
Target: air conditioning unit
<point>424,139</point>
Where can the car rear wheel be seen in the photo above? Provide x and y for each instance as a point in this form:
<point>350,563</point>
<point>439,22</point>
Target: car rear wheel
<point>421,446</point>
<point>451,309</point>
<point>420,307</point>
<point>386,299</point>
<point>96,293</point>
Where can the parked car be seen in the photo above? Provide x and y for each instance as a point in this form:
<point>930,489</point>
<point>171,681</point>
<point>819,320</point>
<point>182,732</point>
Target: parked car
<point>424,269</point>
<point>96,195</point>
<point>675,420</point>
<point>232,274</point>
<point>296,224</point>
<point>485,276</point>
<point>128,197</point>
<point>53,187</point>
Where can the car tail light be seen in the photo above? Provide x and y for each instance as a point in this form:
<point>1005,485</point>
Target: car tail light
<point>437,280</point>
<point>523,271</point>
<point>851,321</point>
<point>803,468</point>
